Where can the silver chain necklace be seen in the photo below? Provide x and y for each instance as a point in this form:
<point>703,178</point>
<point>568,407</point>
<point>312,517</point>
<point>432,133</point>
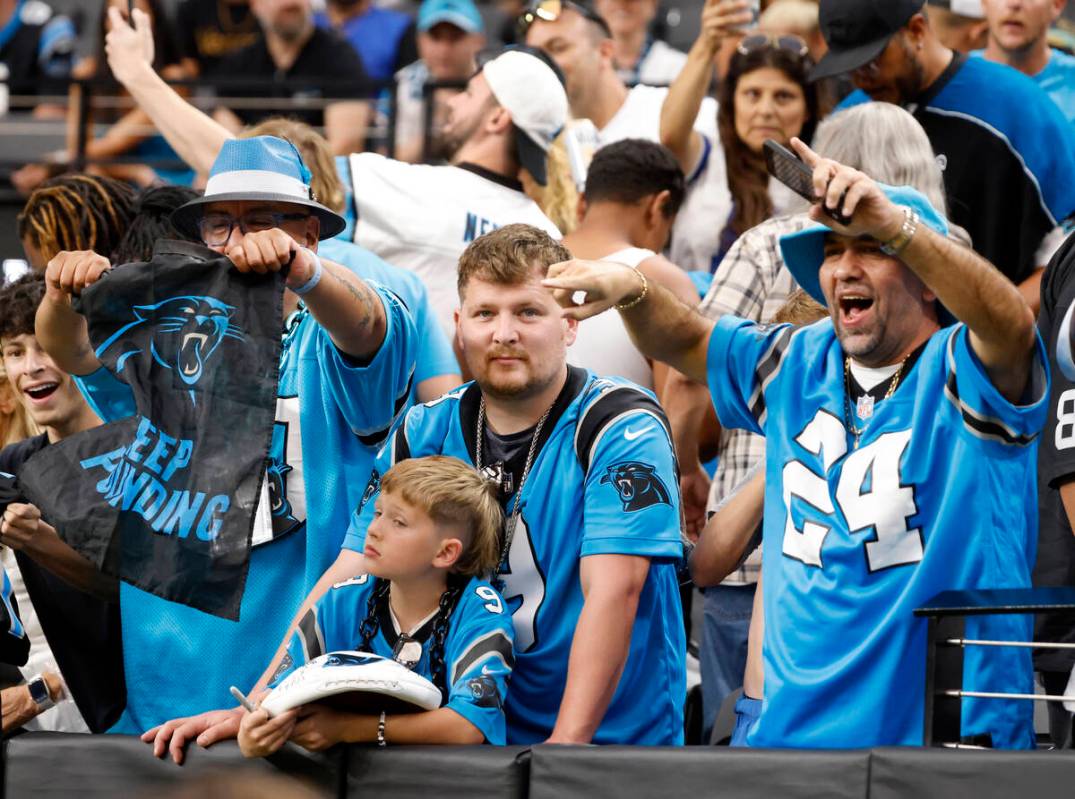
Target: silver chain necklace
<point>513,520</point>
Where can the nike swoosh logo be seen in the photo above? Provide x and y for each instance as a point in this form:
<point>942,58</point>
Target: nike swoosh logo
<point>485,670</point>
<point>631,435</point>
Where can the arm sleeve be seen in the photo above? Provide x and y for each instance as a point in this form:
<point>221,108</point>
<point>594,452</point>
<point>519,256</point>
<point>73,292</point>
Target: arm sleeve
<point>632,491</point>
<point>108,396</point>
<point>372,396</point>
<point>329,626</point>
<point>480,659</point>
<point>16,645</point>
<point>985,412</point>
<point>743,357</point>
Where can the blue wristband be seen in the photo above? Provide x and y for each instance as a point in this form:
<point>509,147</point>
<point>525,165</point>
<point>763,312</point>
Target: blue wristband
<point>315,278</point>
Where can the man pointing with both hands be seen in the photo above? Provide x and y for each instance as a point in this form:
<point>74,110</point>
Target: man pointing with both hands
<point>884,424</point>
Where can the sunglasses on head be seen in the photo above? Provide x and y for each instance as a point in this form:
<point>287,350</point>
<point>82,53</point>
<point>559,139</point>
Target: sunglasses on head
<point>551,10</point>
<point>789,43</point>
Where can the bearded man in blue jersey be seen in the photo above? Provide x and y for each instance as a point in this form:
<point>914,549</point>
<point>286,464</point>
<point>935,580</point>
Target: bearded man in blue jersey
<point>900,449</point>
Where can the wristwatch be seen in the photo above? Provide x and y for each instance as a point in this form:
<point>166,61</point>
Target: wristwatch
<point>39,692</point>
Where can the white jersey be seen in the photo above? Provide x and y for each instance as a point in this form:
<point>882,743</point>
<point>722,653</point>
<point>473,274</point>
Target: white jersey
<point>659,66</point>
<point>640,117</point>
<point>603,345</point>
<point>421,218</point>
<point>708,203</point>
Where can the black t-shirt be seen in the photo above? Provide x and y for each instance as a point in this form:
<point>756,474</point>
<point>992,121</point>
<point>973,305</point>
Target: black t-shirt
<point>1056,458</point>
<point>38,49</point>
<point>82,631</point>
<point>210,30</point>
<point>331,65</point>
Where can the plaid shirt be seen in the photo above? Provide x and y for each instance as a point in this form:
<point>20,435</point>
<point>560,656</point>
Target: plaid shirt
<point>751,283</point>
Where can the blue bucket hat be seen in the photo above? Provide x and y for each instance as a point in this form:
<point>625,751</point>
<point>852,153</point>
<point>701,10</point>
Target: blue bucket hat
<point>804,251</point>
<point>263,168</point>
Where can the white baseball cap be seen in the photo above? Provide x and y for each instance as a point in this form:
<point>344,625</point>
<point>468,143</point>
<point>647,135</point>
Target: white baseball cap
<point>534,95</point>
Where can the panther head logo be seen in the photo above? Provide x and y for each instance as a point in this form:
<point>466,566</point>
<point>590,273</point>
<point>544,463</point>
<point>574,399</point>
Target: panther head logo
<point>637,484</point>
<point>186,331</point>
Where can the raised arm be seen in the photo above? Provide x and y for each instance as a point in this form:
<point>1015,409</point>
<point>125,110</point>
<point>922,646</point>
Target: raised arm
<point>687,91</point>
<point>661,326</point>
<point>60,329</point>
<point>193,134</point>
<point>1001,324</point>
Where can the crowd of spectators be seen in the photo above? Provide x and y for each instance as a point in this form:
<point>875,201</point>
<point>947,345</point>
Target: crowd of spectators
<point>824,408</point>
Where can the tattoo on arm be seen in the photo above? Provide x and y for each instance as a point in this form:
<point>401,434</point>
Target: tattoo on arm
<point>362,296</point>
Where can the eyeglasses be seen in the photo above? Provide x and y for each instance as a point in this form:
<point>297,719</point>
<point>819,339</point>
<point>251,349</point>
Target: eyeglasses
<point>551,10</point>
<point>789,43</point>
<point>216,228</point>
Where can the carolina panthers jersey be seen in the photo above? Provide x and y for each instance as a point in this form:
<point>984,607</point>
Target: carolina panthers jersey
<point>434,356</point>
<point>180,661</point>
<point>603,481</point>
<point>477,650</point>
<point>937,494</point>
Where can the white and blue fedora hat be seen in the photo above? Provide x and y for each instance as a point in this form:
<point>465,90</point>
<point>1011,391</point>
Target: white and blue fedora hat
<point>263,168</point>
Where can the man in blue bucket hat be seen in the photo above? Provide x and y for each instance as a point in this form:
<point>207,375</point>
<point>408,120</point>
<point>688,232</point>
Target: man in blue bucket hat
<point>900,441</point>
<point>346,365</point>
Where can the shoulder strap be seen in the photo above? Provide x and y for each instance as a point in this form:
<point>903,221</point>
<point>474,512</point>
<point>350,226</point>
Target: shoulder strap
<point>613,401</point>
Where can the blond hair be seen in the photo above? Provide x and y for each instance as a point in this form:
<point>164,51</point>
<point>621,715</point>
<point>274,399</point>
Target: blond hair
<point>453,493</point>
<point>315,152</point>
<point>18,425</point>
<point>558,198</point>
<point>508,256</point>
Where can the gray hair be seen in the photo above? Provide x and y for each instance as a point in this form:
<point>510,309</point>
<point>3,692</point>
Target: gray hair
<point>888,144</point>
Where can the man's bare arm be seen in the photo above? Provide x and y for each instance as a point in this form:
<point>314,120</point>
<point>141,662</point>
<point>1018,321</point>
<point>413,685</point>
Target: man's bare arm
<point>612,585</point>
<point>59,328</point>
<point>195,136</point>
<point>661,326</point>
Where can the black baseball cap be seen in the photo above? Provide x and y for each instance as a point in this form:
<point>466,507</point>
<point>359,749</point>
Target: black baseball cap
<point>857,31</point>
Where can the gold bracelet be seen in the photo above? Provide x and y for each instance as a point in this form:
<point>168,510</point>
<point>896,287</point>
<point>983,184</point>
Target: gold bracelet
<point>645,290</point>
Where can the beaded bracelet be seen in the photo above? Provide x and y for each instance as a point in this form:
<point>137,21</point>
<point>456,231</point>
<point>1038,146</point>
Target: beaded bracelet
<point>380,731</point>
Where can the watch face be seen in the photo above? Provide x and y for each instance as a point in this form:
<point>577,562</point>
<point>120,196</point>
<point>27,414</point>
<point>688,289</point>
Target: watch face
<point>39,692</point>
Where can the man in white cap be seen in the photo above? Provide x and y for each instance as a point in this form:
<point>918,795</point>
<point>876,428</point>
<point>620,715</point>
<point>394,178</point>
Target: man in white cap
<point>421,217</point>
<point>345,371</point>
<point>414,216</point>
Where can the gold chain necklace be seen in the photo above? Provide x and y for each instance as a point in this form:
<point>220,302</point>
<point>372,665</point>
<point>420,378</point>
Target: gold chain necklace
<point>849,418</point>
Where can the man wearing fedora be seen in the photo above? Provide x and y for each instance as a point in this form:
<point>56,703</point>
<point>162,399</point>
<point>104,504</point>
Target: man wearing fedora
<point>1010,185</point>
<point>901,436</point>
<point>346,366</point>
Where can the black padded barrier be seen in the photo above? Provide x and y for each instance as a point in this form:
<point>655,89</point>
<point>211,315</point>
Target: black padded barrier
<point>431,772</point>
<point>46,765</point>
<point>898,773</point>
<point>627,772</point>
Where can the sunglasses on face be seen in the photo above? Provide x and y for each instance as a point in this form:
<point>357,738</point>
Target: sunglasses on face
<point>789,43</point>
<point>551,10</point>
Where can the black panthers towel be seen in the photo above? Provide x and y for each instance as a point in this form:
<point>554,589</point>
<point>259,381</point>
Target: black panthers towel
<point>165,499</point>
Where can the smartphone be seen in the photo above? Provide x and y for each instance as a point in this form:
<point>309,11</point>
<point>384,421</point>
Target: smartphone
<point>786,167</point>
<point>754,7</point>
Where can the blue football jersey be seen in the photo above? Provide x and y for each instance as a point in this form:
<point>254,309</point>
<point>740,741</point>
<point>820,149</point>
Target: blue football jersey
<point>477,650</point>
<point>939,494</point>
<point>603,481</point>
<point>332,414</point>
